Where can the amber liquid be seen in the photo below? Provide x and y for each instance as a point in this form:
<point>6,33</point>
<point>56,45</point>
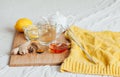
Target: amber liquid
<point>48,34</point>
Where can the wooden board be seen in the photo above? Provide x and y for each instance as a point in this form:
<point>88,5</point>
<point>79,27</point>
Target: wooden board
<point>34,59</point>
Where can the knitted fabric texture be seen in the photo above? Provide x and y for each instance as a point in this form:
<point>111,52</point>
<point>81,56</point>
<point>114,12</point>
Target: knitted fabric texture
<point>103,47</point>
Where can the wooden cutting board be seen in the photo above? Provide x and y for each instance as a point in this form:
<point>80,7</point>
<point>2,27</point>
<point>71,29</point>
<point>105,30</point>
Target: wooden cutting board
<point>35,59</point>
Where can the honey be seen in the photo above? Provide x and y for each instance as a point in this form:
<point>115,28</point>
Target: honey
<point>58,47</point>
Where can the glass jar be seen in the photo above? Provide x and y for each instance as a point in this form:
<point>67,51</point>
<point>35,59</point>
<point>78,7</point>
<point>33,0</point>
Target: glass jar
<point>31,32</point>
<point>47,33</point>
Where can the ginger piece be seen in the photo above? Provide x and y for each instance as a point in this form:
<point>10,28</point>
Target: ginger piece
<point>38,48</point>
<point>22,49</point>
<point>28,47</point>
<point>15,51</point>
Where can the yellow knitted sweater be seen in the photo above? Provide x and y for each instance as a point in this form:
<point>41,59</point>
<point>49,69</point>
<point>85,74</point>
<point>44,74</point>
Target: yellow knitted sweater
<point>104,48</point>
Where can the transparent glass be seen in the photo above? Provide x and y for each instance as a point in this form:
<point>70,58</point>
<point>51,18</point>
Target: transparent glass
<point>31,32</point>
<point>47,33</point>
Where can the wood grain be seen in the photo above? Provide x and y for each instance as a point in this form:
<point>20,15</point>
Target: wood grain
<point>35,59</point>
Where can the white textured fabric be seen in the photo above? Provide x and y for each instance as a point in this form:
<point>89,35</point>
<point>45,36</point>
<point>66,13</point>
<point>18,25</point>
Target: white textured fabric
<point>94,15</point>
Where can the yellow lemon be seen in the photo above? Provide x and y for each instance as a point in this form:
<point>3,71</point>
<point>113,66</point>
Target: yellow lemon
<point>32,32</point>
<point>21,23</point>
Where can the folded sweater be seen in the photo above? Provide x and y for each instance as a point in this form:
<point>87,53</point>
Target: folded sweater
<point>103,47</point>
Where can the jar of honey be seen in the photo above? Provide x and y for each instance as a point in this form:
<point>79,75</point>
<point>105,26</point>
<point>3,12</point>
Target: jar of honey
<point>58,47</point>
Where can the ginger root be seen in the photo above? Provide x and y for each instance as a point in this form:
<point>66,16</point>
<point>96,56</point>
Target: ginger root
<point>23,49</point>
<point>27,47</point>
<point>15,51</point>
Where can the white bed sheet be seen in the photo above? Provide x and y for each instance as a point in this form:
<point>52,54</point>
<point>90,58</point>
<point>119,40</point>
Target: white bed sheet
<point>95,15</point>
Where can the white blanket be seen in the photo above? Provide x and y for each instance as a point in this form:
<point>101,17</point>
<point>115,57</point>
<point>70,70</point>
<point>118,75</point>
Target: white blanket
<point>104,15</point>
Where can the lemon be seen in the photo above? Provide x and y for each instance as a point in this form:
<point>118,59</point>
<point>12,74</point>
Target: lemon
<point>21,23</point>
<point>32,32</point>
